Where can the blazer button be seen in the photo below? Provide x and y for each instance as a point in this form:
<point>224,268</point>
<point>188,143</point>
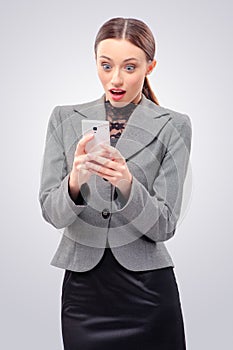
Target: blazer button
<point>105,213</point>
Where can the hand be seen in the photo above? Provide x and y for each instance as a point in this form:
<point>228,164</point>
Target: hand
<point>79,174</point>
<point>110,165</point>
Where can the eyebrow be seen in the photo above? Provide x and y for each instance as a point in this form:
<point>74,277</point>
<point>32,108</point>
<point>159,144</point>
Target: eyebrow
<point>126,60</point>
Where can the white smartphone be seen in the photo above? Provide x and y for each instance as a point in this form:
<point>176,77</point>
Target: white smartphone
<point>100,128</point>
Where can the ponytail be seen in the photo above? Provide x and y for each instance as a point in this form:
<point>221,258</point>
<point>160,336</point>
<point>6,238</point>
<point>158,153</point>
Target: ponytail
<point>147,91</point>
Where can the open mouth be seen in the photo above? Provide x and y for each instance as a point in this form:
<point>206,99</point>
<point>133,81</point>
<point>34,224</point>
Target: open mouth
<point>117,92</point>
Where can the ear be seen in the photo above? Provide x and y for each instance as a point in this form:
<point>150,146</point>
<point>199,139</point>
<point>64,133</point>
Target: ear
<point>151,66</point>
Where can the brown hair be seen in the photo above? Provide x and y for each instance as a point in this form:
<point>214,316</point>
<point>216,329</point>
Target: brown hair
<point>136,32</point>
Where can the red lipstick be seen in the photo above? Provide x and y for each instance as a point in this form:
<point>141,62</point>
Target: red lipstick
<point>117,94</point>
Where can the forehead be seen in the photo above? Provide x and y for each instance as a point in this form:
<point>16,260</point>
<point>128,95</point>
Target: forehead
<point>119,50</point>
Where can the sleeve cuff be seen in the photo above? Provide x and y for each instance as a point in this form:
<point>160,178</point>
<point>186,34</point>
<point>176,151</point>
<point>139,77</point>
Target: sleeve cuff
<point>80,203</point>
<point>121,202</point>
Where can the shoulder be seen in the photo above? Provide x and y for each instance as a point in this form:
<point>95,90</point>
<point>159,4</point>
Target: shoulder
<point>62,113</point>
<point>176,125</point>
<point>178,118</point>
<point>180,128</point>
<point>175,117</point>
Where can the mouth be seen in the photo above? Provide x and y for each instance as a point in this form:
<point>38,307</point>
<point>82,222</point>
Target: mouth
<point>117,94</point>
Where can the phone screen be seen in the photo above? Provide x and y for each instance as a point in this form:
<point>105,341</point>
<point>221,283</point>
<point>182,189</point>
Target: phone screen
<point>100,128</point>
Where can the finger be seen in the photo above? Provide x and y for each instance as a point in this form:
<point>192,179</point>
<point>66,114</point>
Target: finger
<point>99,152</point>
<point>114,154</point>
<point>106,162</point>
<point>107,147</point>
<point>81,166</point>
<point>80,159</point>
<point>80,149</point>
<point>103,171</point>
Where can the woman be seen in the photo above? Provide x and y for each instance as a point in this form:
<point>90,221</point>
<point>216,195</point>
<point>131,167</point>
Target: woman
<point>119,203</point>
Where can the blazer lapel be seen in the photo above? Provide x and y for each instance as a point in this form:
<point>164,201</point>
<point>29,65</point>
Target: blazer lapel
<point>92,110</point>
<point>142,127</point>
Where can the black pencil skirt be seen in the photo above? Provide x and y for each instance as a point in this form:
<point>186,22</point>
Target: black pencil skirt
<point>112,308</point>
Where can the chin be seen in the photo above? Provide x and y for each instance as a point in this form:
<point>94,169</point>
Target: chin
<point>119,103</point>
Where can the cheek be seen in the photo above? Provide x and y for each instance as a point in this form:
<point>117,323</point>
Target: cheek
<point>103,77</point>
<point>137,81</point>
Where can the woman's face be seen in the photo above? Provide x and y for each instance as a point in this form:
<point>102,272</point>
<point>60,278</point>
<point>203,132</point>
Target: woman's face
<point>122,68</point>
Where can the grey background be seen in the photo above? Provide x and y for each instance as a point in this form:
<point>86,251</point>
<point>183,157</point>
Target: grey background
<point>47,59</point>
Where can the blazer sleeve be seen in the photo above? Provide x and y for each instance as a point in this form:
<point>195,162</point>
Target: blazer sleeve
<point>56,204</point>
<point>155,214</point>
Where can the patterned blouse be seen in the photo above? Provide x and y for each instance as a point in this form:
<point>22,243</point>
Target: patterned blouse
<point>118,117</point>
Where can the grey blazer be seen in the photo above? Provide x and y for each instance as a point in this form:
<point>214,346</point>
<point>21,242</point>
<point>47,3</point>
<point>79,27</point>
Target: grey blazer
<point>156,145</point>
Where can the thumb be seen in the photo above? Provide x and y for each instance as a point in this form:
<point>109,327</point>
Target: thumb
<point>80,149</point>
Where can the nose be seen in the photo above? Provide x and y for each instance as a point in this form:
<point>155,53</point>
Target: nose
<point>116,78</point>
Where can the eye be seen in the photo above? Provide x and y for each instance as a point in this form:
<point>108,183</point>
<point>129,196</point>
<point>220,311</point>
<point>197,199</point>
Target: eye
<point>130,68</point>
<point>106,66</point>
